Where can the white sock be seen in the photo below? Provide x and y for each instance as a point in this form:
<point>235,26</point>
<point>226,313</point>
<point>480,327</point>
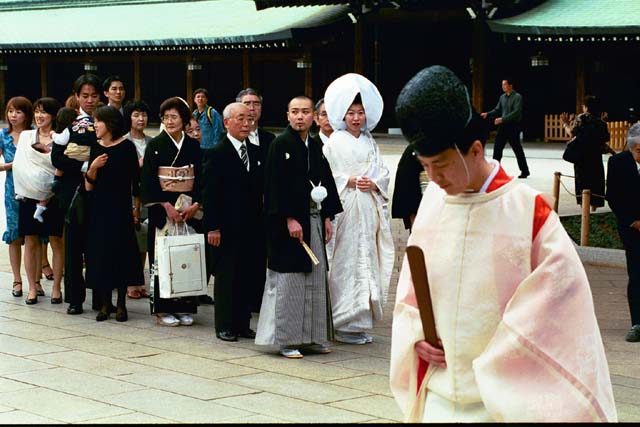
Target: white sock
<point>38,214</point>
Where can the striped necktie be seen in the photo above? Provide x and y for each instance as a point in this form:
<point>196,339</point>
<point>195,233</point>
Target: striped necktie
<point>243,155</point>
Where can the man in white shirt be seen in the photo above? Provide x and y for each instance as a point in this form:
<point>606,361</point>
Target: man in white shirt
<point>113,89</point>
<point>322,120</point>
<point>257,136</point>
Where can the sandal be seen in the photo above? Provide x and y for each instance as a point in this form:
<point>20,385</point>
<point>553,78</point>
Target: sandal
<point>134,294</point>
<point>143,293</point>
<point>50,275</point>
<point>40,290</point>
<point>16,292</point>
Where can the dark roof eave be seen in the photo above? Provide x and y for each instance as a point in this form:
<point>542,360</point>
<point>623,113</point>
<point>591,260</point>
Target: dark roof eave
<point>184,42</point>
<point>538,30</point>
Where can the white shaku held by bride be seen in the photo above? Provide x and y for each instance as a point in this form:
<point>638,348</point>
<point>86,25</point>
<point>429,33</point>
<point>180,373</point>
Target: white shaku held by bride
<point>318,193</point>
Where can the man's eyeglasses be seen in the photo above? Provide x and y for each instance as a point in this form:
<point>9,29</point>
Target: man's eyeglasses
<point>254,103</point>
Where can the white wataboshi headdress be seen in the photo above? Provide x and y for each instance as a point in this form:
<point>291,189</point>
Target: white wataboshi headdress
<point>339,97</point>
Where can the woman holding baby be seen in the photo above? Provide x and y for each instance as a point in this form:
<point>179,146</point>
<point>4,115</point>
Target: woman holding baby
<point>33,179</point>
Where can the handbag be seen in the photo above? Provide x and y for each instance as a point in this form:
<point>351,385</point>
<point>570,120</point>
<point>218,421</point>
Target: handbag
<point>184,202</point>
<point>573,152</point>
<point>181,264</point>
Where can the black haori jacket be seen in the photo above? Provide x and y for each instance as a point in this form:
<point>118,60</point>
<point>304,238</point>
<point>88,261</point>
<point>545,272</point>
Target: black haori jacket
<point>288,194</point>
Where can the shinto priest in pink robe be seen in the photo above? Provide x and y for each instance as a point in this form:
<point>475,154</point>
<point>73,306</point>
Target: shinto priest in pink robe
<point>512,307</point>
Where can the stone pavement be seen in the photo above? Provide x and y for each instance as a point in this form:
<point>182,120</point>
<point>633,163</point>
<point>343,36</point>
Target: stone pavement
<point>56,368</point>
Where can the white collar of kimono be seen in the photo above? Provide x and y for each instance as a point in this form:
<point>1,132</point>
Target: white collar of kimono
<point>339,97</point>
<point>178,144</point>
<point>496,168</point>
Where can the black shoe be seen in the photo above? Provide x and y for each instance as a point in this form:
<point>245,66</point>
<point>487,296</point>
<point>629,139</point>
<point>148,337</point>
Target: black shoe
<point>75,309</point>
<point>249,333</point>
<point>15,291</point>
<point>205,300</point>
<point>102,316</point>
<point>56,300</point>
<point>31,301</point>
<point>524,175</point>
<point>226,336</point>
<point>634,334</point>
<point>40,290</point>
<point>112,308</point>
<point>121,315</point>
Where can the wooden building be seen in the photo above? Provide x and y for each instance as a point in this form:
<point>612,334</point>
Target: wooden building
<point>165,48</point>
<point>284,48</point>
<point>562,50</point>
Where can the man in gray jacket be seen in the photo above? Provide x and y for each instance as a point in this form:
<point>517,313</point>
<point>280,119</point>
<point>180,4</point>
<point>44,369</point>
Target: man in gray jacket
<point>507,116</point>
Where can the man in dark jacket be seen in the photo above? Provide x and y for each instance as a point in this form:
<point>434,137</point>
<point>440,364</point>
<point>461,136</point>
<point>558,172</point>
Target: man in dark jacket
<point>623,195</point>
<point>507,116</point>
<point>233,181</point>
<point>300,201</point>
<point>87,91</point>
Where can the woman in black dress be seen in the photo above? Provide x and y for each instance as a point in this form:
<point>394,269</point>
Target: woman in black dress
<point>592,134</point>
<point>112,179</point>
<point>172,147</point>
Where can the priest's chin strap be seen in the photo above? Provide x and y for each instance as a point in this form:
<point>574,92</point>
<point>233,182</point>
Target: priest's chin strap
<point>466,170</point>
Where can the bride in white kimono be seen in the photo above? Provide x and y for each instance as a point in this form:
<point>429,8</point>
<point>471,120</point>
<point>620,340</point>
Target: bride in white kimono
<point>362,255</point>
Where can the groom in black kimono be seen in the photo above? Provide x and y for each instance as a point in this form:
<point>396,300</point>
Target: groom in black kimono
<point>233,179</point>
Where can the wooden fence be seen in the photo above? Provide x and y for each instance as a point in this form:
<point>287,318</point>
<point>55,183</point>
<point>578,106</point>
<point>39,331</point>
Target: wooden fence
<point>553,131</point>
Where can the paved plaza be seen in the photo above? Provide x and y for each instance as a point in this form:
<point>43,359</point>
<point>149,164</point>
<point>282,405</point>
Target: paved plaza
<point>56,368</point>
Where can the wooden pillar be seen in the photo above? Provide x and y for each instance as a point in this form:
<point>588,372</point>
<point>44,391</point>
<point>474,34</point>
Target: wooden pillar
<point>478,64</point>
<point>189,97</point>
<point>246,69</point>
<point>580,90</point>
<point>137,89</point>
<point>43,76</point>
<point>377,58</point>
<point>308,73</point>
<point>358,63</point>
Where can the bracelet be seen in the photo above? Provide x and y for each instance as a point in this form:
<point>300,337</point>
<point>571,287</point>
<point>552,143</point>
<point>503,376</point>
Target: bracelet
<point>89,180</point>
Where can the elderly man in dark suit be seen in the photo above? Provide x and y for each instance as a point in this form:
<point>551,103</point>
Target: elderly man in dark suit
<point>623,195</point>
<point>233,180</point>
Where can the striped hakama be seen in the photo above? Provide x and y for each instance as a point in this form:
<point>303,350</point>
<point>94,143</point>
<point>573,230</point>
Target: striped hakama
<point>296,308</point>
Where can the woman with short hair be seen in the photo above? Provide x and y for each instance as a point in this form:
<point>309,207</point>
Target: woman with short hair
<point>112,179</point>
<point>19,115</point>
<point>174,148</point>
<point>592,134</point>
<point>136,118</point>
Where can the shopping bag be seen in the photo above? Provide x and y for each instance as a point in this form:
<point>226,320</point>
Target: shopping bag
<point>181,263</point>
